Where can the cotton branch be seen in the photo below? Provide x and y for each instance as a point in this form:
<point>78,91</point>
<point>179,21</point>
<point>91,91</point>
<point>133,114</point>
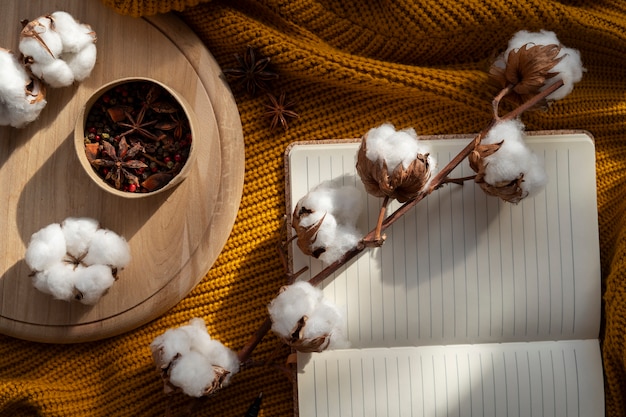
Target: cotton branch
<point>437,181</point>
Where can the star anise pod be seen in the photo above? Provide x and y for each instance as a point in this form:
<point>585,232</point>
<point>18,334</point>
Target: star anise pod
<point>176,124</point>
<point>252,72</point>
<point>526,69</point>
<point>119,162</point>
<point>137,125</point>
<point>279,111</point>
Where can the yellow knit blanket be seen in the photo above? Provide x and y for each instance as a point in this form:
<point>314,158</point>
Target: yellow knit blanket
<point>348,65</point>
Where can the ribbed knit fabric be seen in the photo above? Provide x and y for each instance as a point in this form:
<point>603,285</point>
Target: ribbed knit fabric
<point>349,65</point>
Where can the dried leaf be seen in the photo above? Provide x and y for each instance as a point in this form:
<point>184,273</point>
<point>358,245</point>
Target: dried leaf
<point>117,114</point>
<point>91,150</point>
<point>306,236</point>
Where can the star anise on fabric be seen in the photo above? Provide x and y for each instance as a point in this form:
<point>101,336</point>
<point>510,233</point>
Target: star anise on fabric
<point>526,70</point>
<point>120,161</point>
<point>252,72</point>
<point>280,111</point>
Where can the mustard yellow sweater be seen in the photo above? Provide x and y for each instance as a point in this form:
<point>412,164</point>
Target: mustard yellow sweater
<point>349,65</point>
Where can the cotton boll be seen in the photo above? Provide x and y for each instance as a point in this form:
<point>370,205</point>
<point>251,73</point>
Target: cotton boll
<point>18,106</point>
<point>569,69</point>
<point>57,280</point>
<point>511,159</point>
<point>78,234</point>
<point>193,373</point>
<point>92,282</point>
<point>81,63</point>
<point>108,248</point>
<point>46,248</point>
<point>295,301</point>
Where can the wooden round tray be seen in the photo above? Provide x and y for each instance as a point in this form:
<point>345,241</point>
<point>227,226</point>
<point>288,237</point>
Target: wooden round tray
<point>174,237</point>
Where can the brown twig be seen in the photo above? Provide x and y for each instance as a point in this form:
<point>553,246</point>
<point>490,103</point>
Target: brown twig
<point>496,100</point>
<point>378,238</point>
<point>436,182</point>
<point>458,181</point>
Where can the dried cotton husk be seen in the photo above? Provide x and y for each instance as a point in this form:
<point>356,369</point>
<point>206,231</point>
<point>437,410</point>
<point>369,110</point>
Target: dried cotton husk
<point>401,182</point>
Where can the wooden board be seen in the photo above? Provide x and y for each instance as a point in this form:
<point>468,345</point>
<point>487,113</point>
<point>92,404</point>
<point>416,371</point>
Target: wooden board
<point>174,237</point>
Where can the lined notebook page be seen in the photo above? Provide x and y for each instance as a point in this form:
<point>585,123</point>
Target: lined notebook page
<point>515,379</point>
<point>464,267</point>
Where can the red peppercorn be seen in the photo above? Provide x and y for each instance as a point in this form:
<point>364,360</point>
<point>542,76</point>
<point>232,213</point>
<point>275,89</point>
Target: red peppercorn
<point>92,130</point>
<point>178,158</point>
<point>132,188</point>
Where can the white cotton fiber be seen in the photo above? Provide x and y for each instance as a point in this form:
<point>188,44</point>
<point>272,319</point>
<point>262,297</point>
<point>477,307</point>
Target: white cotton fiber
<point>108,248</point>
<point>570,69</point>
<point>173,342</point>
<point>57,280</point>
<point>46,248</point>
<point>225,358</point>
<point>345,238</point>
<point>81,63</point>
<point>56,73</point>
<point>327,319</point>
<point>17,106</point>
<point>193,373</point>
<point>190,355</point>
<point>75,36</point>
<point>58,49</point>
<point>297,300</point>
<point>323,318</point>
<point>78,234</point>
<point>46,46</point>
<point>344,202</point>
<point>93,281</point>
<point>384,143</point>
<point>340,207</point>
<point>513,158</point>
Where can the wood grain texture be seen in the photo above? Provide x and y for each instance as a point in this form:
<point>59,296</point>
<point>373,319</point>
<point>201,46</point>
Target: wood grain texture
<point>174,237</point>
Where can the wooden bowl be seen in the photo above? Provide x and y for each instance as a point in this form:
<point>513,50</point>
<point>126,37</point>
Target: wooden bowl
<point>80,136</point>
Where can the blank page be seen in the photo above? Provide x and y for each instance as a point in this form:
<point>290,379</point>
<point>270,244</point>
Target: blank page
<point>513,379</point>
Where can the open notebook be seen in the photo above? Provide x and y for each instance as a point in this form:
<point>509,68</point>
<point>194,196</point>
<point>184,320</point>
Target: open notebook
<point>473,306</point>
